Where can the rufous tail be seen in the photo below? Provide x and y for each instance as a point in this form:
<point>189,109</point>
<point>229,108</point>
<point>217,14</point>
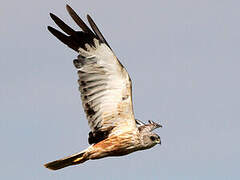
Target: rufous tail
<point>68,161</point>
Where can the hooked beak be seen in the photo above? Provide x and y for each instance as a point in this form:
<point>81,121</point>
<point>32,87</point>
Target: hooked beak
<point>159,141</point>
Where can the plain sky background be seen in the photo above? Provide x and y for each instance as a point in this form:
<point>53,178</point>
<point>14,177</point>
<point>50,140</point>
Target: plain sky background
<point>183,58</point>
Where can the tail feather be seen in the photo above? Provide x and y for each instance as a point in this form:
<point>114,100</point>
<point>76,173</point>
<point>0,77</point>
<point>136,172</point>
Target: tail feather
<point>68,161</point>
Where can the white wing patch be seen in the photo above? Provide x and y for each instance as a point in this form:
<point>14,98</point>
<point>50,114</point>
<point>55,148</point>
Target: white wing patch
<point>105,89</point>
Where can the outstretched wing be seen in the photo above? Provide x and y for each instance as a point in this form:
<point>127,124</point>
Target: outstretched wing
<point>105,85</point>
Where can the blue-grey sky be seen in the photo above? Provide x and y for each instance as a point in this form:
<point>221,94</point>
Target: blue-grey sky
<point>183,58</point>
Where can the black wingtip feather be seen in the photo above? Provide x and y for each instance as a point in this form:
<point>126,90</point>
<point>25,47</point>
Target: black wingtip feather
<point>76,39</point>
<point>96,30</point>
<point>78,20</point>
<point>63,38</point>
<point>62,25</point>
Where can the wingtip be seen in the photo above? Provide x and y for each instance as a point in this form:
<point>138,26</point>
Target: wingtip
<point>68,7</point>
<point>154,123</point>
<point>50,28</point>
<point>89,17</point>
<point>51,14</point>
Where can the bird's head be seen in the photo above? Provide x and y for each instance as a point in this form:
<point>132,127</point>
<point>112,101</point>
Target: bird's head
<point>149,138</point>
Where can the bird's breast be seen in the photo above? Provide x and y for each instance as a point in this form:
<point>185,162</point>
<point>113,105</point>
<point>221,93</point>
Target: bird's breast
<point>122,144</point>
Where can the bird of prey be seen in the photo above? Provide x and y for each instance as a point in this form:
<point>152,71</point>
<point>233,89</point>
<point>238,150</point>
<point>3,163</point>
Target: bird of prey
<point>106,93</point>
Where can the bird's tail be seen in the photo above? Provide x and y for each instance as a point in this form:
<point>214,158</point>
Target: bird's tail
<point>68,161</point>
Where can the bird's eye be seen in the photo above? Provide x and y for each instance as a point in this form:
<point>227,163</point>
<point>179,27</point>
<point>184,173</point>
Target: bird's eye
<point>152,138</point>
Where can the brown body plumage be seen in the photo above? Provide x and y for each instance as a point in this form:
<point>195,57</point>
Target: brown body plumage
<point>106,95</point>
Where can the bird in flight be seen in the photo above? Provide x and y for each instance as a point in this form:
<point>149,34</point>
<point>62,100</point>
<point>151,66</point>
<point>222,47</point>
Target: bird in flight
<point>106,93</point>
